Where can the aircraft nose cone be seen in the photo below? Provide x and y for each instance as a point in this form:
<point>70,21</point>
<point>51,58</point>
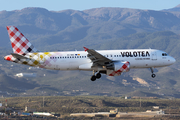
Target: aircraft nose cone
<point>172,60</point>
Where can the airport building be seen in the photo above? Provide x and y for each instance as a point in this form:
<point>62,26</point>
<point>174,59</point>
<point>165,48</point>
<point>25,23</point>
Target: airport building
<point>26,75</point>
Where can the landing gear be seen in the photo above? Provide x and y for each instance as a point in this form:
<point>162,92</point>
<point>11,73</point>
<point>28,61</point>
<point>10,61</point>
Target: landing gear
<point>98,75</point>
<point>94,77</point>
<point>153,75</point>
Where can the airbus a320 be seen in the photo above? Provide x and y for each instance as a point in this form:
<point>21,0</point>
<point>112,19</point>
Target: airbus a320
<point>109,62</point>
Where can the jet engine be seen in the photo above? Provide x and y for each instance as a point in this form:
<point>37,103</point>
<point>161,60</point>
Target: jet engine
<point>116,68</point>
<point>122,66</point>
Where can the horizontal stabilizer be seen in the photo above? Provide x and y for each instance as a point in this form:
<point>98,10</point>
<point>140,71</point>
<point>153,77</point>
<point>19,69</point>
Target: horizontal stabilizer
<point>18,56</point>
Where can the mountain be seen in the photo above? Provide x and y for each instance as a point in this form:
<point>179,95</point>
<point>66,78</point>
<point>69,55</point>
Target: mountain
<point>45,27</point>
<point>143,94</point>
<point>175,9</point>
<point>98,28</point>
<point>10,84</point>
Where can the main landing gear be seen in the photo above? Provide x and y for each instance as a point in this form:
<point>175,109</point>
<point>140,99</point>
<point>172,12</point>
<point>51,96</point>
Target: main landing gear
<point>95,76</point>
<point>153,75</point>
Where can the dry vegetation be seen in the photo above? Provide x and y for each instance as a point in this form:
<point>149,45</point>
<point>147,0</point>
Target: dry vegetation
<point>66,105</point>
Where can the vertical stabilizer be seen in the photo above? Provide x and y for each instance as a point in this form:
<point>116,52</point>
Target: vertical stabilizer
<point>19,42</point>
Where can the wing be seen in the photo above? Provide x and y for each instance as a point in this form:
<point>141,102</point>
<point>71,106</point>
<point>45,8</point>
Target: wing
<point>97,58</point>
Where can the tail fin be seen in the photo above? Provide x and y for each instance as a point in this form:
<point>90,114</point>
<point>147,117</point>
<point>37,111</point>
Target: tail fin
<point>19,42</point>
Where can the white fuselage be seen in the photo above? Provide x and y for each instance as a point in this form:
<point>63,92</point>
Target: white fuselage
<point>138,58</point>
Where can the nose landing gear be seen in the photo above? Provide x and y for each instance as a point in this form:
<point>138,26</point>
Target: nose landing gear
<point>153,75</point>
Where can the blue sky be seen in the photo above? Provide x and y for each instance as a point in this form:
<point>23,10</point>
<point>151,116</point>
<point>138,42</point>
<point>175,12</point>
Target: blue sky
<point>57,5</point>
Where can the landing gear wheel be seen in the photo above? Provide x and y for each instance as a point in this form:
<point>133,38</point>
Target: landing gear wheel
<point>93,78</point>
<point>153,75</point>
<point>98,75</point>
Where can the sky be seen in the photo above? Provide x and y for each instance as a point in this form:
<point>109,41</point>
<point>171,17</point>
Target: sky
<point>58,5</point>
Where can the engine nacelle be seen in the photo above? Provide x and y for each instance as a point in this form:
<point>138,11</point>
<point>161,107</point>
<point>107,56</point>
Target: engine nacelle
<point>117,68</point>
<point>122,66</point>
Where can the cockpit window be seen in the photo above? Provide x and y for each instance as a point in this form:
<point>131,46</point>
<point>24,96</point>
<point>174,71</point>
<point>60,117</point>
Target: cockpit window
<point>164,54</point>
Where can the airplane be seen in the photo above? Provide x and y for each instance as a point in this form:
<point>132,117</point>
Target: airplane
<point>109,62</point>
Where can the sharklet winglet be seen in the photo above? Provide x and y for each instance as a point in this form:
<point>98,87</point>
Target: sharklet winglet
<point>85,49</point>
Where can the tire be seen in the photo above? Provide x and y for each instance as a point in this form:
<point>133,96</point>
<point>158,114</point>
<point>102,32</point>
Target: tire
<point>153,75</point>
<point>98,75</point>
<point>93,78</point>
